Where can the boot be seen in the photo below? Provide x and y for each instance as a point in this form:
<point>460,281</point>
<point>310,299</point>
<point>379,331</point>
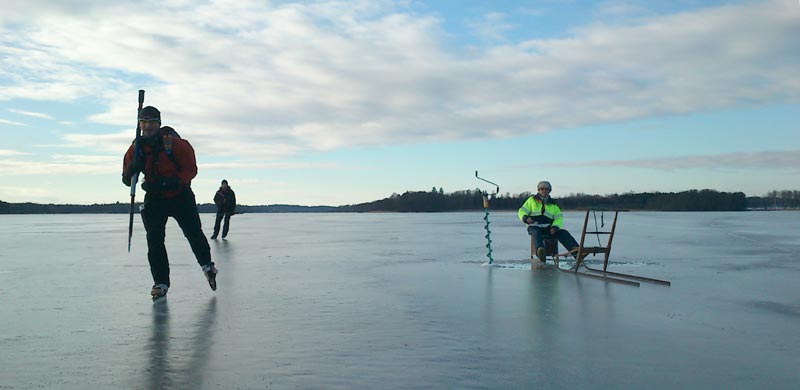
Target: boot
<point>159,291</point>
<point>211,275</point>
<point>541,253</point>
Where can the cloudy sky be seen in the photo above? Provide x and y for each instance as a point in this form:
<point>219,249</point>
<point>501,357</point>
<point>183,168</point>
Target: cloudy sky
<point>340,102</point>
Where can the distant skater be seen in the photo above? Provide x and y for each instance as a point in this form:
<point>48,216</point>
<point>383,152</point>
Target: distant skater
<point>225,199</point>
<point>168,163</point>
<point>544,219</point>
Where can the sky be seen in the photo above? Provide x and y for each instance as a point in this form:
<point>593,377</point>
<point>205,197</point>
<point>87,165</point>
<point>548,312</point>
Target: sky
<point>344,102</point>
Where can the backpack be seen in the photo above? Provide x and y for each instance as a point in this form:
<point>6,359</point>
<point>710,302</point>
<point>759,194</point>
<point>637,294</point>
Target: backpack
<point>167,134</point>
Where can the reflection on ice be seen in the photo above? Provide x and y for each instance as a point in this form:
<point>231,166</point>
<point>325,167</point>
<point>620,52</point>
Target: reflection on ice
<point>179,362</point>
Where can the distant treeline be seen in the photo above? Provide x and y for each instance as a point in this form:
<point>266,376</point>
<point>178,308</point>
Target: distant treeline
<point>785,199</point>
<point>437,201</point>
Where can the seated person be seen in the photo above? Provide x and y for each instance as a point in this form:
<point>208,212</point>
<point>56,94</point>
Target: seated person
<point>543,217</point>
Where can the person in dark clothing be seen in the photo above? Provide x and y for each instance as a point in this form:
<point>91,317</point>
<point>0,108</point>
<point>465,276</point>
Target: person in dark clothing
<point>168,163</point>
<point>225,199</point>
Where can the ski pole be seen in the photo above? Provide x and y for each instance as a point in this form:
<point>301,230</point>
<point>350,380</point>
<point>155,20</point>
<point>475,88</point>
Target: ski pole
<point>486,217</point>
<point>135,177</point>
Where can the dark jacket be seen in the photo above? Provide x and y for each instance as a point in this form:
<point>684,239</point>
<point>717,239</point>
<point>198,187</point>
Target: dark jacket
<point>225,200</point>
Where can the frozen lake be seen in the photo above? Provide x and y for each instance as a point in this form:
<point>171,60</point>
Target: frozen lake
<point>400,301</point>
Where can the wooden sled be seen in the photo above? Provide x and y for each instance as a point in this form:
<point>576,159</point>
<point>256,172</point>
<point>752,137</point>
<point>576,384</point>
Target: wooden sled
<point>580,268</point>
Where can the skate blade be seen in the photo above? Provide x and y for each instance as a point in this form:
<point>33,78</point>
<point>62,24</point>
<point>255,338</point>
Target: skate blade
<point>212,281</point>
<point>157,298</point>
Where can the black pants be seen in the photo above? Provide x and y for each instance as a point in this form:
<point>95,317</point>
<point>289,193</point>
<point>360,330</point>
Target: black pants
<point>154,216</point>
<point>220,215</point>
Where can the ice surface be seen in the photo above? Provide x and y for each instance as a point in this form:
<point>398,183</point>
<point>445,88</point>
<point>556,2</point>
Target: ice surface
<point>400,301</point>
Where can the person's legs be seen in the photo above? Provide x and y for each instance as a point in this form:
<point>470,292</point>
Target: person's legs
<point>154,218</point>
<point>216,224</point>
<point>226,225</point>
<point>566,239</point>
<point>537,235</point>
<point>189,220</point>
<point>185,213</point>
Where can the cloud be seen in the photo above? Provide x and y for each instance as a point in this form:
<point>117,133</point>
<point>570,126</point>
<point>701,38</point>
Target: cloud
<point>110,143</point>
<point>772,160</point>
<point>619,9</point>
<point>86,159</point>
<point>241,165</point>
<point>260,80</point>
<point>493,27</point>
<point>29,194</point>
<point>32,114</point>
<point>15,167</point>
<point>11,123</point>
<point>6,152</point>
<point>79,164</point>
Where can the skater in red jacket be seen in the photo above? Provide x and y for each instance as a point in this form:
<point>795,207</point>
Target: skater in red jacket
<point>168,164</point>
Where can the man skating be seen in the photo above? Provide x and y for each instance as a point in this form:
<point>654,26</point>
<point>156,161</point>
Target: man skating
<point>168,163</point>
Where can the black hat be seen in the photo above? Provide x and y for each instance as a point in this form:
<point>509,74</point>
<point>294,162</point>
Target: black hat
<point>150,113</point>
<point>224,181</point>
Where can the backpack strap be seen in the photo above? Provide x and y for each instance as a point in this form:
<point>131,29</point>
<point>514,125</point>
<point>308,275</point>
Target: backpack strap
<point>167,133</point>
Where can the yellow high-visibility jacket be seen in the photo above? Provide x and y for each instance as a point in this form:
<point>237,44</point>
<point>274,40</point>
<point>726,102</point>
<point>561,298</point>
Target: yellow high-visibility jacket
<point>544,214</point>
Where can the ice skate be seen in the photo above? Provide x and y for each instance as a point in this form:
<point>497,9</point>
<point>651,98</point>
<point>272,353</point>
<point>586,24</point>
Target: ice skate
<point>211,275</point>
<point>159,291</point>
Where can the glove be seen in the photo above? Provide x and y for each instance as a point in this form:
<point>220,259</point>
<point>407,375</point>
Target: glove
<point>136,165</point>
<point>163,184</point>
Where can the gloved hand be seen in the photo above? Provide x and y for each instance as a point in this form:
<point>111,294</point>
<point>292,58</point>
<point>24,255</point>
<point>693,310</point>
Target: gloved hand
<point>136,165</point>
<point>163,184</point>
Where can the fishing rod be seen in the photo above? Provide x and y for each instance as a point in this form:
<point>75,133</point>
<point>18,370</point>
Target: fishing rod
<point>486,197</point>
<point>135,177</point>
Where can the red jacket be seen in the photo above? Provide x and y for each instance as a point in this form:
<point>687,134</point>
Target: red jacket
<point>159,166</point>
